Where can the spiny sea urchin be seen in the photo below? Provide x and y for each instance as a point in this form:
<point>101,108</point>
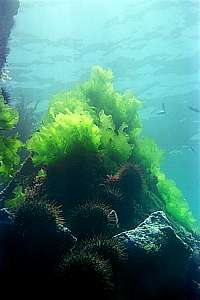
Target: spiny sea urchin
<point>91,218</point>
<point>39,238</point>
<point>35,216</point>
<point>108,248</point>
<point>86,274</point>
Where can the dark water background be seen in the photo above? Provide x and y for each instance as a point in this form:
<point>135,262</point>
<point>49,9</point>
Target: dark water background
<point>152,47</point>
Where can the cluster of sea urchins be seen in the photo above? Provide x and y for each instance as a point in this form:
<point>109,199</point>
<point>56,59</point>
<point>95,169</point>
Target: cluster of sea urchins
<point>91,265</point>
<point>94,264</point>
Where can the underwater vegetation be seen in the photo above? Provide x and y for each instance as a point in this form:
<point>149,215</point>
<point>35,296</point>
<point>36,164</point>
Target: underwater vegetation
<point>105,125</point>
<point>17,123</point>
<point>9,142</point>
<point>94,197</point>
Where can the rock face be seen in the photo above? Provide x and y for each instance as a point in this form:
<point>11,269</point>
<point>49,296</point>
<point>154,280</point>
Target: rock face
<point>158,261</point>
<point>5,223</point>
<point>8,9</point>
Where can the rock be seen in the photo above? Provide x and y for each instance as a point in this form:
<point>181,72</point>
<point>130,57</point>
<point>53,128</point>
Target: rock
<point>158,260</point>
<point>193,275</point>
<point>8,8</point>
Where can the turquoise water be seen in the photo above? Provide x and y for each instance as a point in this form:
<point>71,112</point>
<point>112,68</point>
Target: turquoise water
<point>152,48</point>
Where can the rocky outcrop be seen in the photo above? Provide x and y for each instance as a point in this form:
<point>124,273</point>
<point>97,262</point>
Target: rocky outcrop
<point>159,262</point>
<point>8,9</point>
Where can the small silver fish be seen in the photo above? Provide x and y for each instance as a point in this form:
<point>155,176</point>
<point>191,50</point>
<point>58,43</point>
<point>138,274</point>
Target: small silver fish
<point>160,112</point>
<point>193,108</point>
<point>163,111</point>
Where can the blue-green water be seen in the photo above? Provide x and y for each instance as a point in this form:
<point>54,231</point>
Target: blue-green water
<point>152,48</point>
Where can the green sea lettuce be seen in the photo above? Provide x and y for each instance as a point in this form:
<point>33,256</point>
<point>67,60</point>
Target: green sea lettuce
<point>9,142</point>
<point>55,140</point>
<point>107,122</point>
<point>8,115</point>
<point>176,205</point>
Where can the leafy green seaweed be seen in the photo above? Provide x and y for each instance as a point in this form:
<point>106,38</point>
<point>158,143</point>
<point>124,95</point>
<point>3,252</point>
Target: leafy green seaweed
<point>147,154</point>
<point>56,139</point>
<point>9,142</point>
<point>176,205</point>
<point>8,116</point>
<point>107,122</point>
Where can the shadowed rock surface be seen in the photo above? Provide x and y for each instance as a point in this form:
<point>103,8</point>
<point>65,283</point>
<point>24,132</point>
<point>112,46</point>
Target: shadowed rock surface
<point>160,264</point>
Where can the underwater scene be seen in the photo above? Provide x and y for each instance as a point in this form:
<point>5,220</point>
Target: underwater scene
<point>100,148</point>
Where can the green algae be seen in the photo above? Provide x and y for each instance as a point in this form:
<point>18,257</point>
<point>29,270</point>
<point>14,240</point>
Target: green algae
<point>9,142</point>
<point>107,122</point>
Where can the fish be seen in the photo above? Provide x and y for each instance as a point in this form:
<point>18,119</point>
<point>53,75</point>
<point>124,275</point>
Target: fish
<point>182,120</point>
<point>163,111</point>
<point>160,112</point>
<point>113,218</point>
<point>175,152</point>
<point>193,108</point>
<point>191,148</point>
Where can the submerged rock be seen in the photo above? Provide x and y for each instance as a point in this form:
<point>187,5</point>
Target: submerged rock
<point>158,260</point>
